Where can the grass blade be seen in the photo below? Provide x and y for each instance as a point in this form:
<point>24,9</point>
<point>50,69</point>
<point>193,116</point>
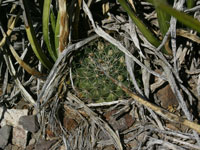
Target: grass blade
<point>14,53</point>
<point>32,37</point>
<point>190,3</point>
<point>46,30</point>
<point>53,20</point>
<point>24,65</point>
<point>141,26</point>
<point>163,18</point>
<point>180,16</point>
<point>57,32</point>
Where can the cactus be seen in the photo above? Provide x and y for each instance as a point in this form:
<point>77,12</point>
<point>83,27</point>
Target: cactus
<point>91,84</point>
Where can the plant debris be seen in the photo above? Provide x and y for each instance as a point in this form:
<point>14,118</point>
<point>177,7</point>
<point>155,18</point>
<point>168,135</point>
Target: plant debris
<point>108,87</point>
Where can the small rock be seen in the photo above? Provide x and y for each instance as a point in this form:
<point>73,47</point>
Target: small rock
<point>14,147</point>
<point>44,145</point>
<point>11,116</point>
<point>19,137</point>
<point>4,136</point>
<point>8,147</point>
<point>32,141</point>
<point>29,123</point>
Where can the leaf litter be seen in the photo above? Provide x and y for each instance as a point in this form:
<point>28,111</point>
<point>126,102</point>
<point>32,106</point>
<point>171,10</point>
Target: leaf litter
<point>148,118</point>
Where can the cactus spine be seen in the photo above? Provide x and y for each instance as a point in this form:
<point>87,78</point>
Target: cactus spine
<point>90,82</point>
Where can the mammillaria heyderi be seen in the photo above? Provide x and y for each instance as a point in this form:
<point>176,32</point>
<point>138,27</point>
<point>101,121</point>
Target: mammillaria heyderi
<point>90,82</point>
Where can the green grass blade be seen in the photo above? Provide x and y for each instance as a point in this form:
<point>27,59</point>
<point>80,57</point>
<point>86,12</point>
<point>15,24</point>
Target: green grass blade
<point>141,26</point>
<point>163,18</point>
<point>53,20</point>
<point>190,3</point>
<point>46,30</point>
<point>180,16</point>
<point>32,37</point>
<point>36,48</point>
<point>57,32</point>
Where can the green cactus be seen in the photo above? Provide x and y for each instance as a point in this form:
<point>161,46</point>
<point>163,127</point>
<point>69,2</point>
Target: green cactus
<point>89,80</point>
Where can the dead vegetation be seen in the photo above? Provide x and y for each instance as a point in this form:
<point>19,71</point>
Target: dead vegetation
<point>161,110</point>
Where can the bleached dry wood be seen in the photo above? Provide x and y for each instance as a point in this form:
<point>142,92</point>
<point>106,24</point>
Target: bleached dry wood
<point>160,111</point>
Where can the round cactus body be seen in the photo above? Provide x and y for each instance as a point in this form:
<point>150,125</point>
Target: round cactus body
<point>91,84</point>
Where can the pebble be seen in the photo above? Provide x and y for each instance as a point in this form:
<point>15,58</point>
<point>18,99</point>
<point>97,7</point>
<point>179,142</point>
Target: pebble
<point>29,123</point>
<point>19,137</point>
<point>4,135</point>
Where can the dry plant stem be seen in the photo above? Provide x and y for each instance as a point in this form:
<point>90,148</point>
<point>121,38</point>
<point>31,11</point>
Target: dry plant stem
<point>64,25</point>
<point>102,124</point>
<point>196,71</point>
<point>130,63</point>
<point>12,71</point>
<point>130,66</point>
<point>198,86</point>
<point>185,136</point>
<point>133,34</point>
<point>105,104</point>
<point>107,37</point>
<point>179,32</point>
<point>178,95</point>
<point>145,77</point>
<point>190,97</point>
<point>182,142</point>
<point>10,29</point>
<point>47,88</point>
<point>160,55</point>
<point>153,141</point>
<point>156,118</point>
<point>160,111</point>
<point>24,65</point>
<point>186,34</point>
<point>195,8</point>
<point>173,22</point>
<point>5,82</point>
<point>16,56</point>
<point>71,79</point>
